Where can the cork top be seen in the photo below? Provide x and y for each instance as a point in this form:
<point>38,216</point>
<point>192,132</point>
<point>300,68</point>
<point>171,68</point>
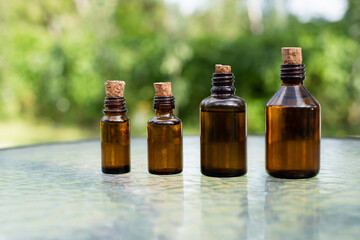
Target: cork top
<point>114,88</point>
<point>222,68</point>
<point>291,55</point>
<point>162,89</point>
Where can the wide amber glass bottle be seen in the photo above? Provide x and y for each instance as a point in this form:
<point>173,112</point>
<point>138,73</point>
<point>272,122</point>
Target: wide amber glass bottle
<point>165,153</point>
<point>223,128</point>
<point>115,134</point>
<point>292,124</point>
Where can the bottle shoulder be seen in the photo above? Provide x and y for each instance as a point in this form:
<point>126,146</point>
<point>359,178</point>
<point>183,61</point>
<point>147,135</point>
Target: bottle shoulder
<point>115,118</point>
<point>293,96</point>
<point>164,120</point>
<point>223,103</point>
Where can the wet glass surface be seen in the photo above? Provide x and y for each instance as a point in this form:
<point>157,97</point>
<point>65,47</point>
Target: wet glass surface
<point>57,191</point>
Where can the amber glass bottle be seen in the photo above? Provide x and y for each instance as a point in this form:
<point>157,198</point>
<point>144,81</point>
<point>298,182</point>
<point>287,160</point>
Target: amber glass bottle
<point>165,154</point>
<point>292,124</point>
<point>115,132</point>
<point>223,128</point>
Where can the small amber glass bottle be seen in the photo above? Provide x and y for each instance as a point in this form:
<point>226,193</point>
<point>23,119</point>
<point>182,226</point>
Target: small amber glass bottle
<point>223,128</point>
<point>165,154</point>
<point>292,123</point>
<point>115,131</point>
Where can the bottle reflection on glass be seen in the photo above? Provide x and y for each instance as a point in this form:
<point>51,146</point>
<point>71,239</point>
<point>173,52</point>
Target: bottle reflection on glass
<point>224,205</point>
<point>292,209</point>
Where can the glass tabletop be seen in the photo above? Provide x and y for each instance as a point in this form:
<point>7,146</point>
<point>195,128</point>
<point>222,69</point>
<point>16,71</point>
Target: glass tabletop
<point>57,191</point>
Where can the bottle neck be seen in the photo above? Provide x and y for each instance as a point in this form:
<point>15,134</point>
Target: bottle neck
<point>292,74</point>
<point>115,106</point>
<point>223,84</point>
<point>164,113</point>
<point>164,105</point>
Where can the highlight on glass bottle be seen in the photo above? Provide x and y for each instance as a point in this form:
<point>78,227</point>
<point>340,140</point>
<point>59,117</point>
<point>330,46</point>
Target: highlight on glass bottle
<point>165,151</point>
<point>292,123</point>
<point>115,131</point>
<point>223,128</point>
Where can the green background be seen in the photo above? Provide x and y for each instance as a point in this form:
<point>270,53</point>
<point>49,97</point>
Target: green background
<point>56,55</point>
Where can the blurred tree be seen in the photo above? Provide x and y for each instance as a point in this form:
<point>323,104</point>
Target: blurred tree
<point>56,55</point>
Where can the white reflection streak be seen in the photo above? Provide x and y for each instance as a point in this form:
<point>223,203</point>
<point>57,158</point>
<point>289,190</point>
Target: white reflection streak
<point>304,10</point>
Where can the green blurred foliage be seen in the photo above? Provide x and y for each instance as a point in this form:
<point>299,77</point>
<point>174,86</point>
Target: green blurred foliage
<point>56,55</point>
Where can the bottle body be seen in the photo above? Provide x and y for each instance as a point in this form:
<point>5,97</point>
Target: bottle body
<point>293,132</point>
<point>223,132</point>
<point>115,137</point>
<point>165,147</point>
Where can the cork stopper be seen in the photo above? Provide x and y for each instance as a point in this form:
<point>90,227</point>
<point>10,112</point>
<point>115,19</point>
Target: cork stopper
<point>291,55</point>
<point>114,89</point>
<point>162,89</point>
<point>222,68</point>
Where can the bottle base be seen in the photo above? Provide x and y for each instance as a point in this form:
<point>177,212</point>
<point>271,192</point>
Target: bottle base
<point>294,174</point>
<point>223,172</point>
<point>165,172</point>
<point>116,170</point>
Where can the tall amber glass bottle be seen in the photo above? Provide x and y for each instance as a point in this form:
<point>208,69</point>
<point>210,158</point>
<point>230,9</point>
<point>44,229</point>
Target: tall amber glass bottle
<point>115,131</point>
<point>165,154</point>
<point>292,123</point>
<point>223,128</point>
